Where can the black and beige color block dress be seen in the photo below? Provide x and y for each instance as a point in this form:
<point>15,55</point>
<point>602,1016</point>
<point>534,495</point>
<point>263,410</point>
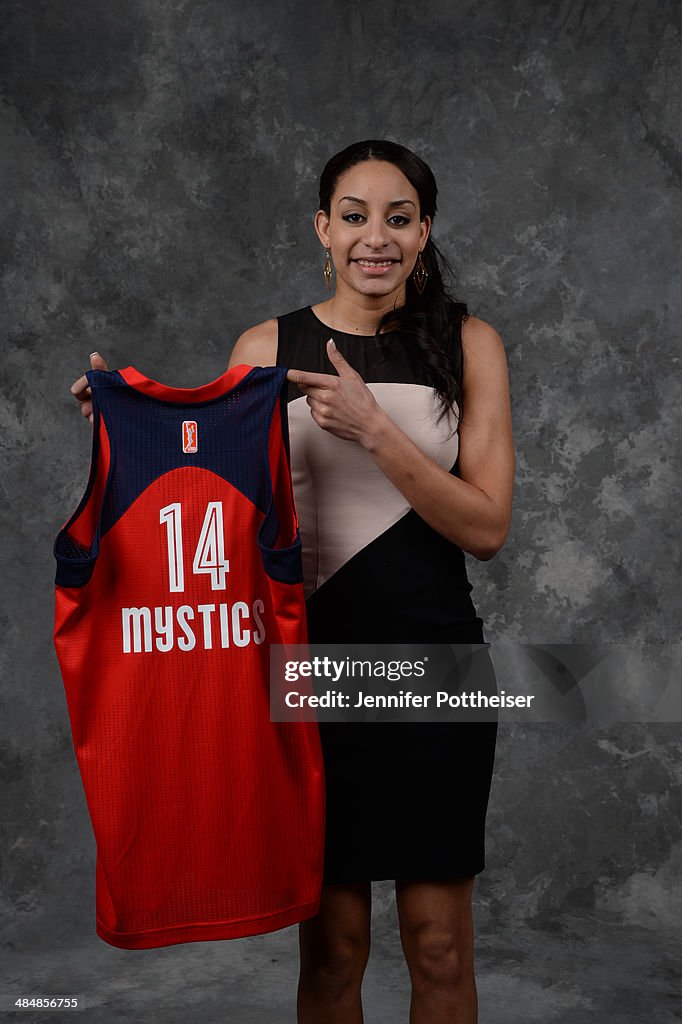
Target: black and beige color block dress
<point>405,800</point>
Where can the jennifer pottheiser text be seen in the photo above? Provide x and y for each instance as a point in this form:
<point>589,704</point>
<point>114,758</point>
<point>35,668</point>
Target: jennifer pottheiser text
<point>407,699</point>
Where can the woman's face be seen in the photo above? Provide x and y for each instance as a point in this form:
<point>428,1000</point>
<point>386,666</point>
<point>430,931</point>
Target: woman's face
<point>374,219</point>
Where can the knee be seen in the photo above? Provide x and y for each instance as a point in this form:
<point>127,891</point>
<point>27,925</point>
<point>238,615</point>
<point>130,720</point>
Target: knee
<point>337,965</point>
<point>435,959</point>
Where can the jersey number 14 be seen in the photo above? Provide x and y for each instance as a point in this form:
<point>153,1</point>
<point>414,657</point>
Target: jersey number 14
<point>209,556</point>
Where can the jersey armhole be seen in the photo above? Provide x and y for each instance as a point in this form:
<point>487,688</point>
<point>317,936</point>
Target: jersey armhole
<point>76,545</point>
<point>279,536</point>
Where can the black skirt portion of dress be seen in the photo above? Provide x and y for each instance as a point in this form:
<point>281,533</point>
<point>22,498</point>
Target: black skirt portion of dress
<point>405,800</point>
<point>409,805</point>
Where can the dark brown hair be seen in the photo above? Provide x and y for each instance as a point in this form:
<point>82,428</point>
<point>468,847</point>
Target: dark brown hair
<point>433,318</point>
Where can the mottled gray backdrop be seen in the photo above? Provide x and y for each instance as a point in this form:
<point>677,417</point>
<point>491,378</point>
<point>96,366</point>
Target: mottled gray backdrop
<point>160,165</point>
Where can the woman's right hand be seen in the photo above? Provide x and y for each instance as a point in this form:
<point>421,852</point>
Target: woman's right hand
<point>80,389</point>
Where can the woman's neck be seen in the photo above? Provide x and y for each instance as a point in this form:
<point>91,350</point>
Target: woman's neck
<point>353,317</point>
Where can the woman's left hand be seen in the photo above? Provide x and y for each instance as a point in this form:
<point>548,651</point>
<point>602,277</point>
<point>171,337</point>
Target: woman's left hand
<point>343,405</point>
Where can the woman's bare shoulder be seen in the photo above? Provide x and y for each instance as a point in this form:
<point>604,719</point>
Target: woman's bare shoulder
<point>482,344</point>
<point>256,346</point>
<point>485,377</point>
<point>477,333</point>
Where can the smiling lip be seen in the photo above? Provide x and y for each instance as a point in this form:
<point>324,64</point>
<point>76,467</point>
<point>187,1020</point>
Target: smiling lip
<point>370,266</point>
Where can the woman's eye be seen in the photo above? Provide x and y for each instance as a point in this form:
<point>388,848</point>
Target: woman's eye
<point>397,216</point>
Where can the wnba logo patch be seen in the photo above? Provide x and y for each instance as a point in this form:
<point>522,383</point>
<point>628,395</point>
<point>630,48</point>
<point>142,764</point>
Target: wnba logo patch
<point>189,436</point>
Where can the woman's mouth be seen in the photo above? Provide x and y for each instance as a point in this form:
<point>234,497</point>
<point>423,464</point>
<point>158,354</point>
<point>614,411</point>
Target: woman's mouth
<point>375,267</point>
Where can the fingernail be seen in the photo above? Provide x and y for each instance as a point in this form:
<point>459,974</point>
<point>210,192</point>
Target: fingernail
<point>332,343</point>
<point>93,354</point>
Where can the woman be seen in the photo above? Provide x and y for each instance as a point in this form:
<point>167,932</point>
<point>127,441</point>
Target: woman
<point>391,487</point>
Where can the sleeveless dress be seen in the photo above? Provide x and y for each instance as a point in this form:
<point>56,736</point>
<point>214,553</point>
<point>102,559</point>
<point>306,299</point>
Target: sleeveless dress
<point>405,800</point>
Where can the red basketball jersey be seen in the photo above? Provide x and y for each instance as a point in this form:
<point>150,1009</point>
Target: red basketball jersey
<point>178,569</point>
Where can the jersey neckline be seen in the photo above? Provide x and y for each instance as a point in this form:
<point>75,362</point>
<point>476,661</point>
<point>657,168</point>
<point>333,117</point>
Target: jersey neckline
<point>205,392</point>
<point>347,334</point>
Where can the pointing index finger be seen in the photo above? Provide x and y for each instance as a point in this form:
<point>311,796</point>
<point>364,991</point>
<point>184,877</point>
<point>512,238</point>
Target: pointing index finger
<point>309,379</point>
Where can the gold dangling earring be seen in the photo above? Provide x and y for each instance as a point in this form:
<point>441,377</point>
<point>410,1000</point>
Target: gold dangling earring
<point>420,274</point>
<point>328,270</point>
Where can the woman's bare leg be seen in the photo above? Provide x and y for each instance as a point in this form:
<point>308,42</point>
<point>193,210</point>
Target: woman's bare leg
<point>334,947</point>
<point>437,935</point>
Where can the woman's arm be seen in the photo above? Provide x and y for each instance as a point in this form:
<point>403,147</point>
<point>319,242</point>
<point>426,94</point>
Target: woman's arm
<point>472,510</point>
